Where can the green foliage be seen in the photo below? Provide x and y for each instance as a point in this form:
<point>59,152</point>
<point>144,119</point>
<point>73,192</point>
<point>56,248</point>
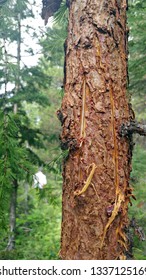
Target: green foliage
<point>61,14</point>
<point>39,228</point>
<point>137,72</point>
<point>34,130</point>
<point>53,45</point>
<point>138,209</point>
<point>3,2</point>
<point>137,58</point>
<point>17,137</point>
<point>14,162</point>
<point>38,222</point>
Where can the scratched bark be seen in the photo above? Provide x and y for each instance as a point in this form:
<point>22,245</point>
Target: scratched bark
<point>94,107</point>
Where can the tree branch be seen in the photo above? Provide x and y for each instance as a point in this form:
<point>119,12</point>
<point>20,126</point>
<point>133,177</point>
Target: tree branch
<point>132,127</point>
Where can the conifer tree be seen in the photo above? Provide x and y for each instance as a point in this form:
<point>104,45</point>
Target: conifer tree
<point>19,83</point>
<point>137,60</point>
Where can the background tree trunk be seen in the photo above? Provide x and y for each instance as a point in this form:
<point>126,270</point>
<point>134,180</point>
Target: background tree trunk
<point>13,205</point>
<point>96,173</point>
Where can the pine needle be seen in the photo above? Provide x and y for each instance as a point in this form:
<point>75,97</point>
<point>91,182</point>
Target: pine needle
<point>61,14</point>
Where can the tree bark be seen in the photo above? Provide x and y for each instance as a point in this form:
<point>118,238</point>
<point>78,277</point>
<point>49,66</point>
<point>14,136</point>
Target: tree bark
<point>96,172</point>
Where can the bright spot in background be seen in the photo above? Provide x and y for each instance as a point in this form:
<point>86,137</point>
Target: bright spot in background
<point>39,180</point>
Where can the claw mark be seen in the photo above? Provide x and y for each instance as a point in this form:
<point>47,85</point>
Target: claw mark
<point>115,157</point>
<point>119,231</point>
<point>82,132</point>
<point>119,196</point>
<point>95,190</point>
<point>88,181</point>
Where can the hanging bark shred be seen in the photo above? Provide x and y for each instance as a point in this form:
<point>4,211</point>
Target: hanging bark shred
<point>96,189</point>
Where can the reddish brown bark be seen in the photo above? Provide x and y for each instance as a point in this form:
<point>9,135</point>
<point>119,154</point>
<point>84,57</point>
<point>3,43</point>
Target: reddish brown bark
<point>96,173</point>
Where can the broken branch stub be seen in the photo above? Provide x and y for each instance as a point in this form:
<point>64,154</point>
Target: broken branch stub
<point>132,127</point>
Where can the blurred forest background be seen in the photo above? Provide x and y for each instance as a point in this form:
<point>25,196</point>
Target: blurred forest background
<point>30,95</point>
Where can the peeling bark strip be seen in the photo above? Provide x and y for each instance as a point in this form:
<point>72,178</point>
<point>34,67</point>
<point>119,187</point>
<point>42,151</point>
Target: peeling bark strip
<point>97,170</point>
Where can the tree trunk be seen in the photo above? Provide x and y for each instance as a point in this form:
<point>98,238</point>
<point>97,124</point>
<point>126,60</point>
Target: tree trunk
<point>26,187</point>
<point>13,204</point>
<point>96,172</point>
<point>11,242</point>
<point>17,83</point>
